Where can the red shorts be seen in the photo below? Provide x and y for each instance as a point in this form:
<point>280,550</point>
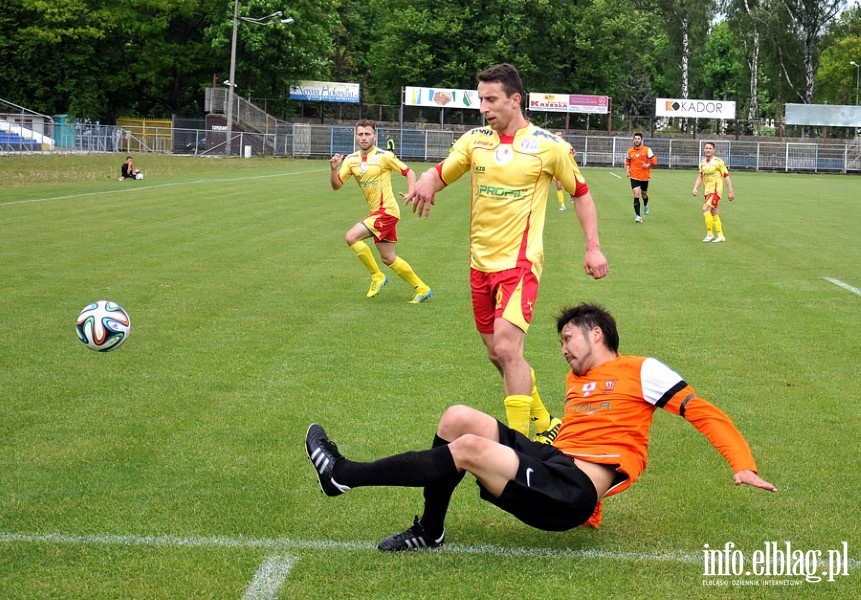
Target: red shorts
<point>508,295</point>
<point>713,199</point>
<point>383,226</point>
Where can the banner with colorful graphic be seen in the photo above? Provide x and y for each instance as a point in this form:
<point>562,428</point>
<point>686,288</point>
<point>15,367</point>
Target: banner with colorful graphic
<point>440,97</point>
<point>703,109</point>
<point>325,91</point>
<point>569,103</point>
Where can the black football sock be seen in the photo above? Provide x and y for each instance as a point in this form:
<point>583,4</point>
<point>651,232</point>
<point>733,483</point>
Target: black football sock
<point>409,469</point>
<point>437,497</point>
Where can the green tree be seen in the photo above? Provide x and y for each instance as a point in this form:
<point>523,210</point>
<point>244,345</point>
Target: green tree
<point>837,78</point>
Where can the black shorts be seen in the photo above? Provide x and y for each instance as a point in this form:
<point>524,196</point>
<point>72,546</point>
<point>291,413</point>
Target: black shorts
<point>549,492</point>
<point>643,185</point>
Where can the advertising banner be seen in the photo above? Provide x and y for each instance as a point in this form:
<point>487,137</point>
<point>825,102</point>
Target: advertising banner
<point>440,97</point>
<point>569,103</point>
<point>702,109</point>
<point>835,115</point>
<point>325,91</point>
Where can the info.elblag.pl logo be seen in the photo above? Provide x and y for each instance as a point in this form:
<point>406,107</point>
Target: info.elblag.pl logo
<point>777,563</point>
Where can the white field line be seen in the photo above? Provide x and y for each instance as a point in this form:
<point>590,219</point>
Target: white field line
<point>269,578</point>
<point>133,190</point>
<point>282,544</point>
<point>616,176</point>
<point>843,285</point>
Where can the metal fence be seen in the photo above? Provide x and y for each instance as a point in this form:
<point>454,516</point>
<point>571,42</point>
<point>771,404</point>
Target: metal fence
<point>418,144</point>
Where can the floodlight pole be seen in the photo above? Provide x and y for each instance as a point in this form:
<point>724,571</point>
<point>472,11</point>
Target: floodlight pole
<point>231,83</point>
<point>232,80</point>
<point>857,71</point>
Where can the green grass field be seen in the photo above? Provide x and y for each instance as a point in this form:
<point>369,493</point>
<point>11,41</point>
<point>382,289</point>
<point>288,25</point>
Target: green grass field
<point>174,467</point>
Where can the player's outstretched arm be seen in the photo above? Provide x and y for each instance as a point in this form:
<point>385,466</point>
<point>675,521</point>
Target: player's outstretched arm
<point>411,183</point>
<point>594,262</point>
<point>750,478</point>
<point>423,196</point>
<point>334,166</point>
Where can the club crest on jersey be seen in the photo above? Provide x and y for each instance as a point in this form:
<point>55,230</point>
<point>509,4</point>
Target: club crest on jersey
<point>503,154</point>
<point>609,385</point>
<point>589,389</point>
<point>363,167</point>
<point>529,145</point>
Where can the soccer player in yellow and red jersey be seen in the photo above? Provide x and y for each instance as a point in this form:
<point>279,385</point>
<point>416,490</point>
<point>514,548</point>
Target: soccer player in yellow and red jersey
<point>713,172</point>
<point>372,168</point>
<point>601,448</point>
<point>638,164</point>
<point>511,163</point>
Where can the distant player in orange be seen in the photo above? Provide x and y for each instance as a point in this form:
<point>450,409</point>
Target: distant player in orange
<point>601,448</point>
<point>638,164</point>
<point>372,168</point>
<point>713,172</point>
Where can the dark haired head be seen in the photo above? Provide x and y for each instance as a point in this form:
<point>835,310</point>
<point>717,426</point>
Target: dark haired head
<point>586,316</point>
<point>506,75</point>
<point>366,123</point>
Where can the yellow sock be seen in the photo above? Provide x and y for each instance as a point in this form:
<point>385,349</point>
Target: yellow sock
<point>539,415</point>
<point>363,252</point>
<point>717,225</point>
<point>560,198</point>
<point>403,270</point>
<point>709,222</point>
<point>517,412</point>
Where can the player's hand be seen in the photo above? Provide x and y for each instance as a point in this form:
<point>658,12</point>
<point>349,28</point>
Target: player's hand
<point>595,264</point>
<point>421,204</point>
<point>730,195</point>
<point>423,197</point>
<point>748,477</point>
<point>335,161</point>
<point>695,191</point>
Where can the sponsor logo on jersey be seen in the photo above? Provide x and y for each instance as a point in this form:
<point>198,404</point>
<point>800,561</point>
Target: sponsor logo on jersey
<point>587,408</point>
<point>496,191</point>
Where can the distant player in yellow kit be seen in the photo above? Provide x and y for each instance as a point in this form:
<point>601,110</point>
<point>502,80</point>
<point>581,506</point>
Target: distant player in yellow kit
<point>713,173</point>
<point>372,168</point>
<point>512,164</point>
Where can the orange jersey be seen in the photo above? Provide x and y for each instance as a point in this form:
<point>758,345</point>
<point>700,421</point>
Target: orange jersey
<point>609,410</point>
<point>639,162</point>
<point>373,173</point>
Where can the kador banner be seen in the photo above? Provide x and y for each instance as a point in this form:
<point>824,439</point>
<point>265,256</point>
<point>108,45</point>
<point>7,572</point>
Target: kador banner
<point>703,109</point>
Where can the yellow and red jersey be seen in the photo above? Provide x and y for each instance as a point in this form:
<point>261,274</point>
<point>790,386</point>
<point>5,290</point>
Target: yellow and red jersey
<point>713,172</point>
<point>510,177</point>
<point>640,162</point>
<point>373,173</point>
<point>609,411</point>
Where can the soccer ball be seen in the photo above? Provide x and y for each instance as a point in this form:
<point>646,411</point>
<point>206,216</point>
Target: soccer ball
<point>103,326</point>
<point>138,175</point>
